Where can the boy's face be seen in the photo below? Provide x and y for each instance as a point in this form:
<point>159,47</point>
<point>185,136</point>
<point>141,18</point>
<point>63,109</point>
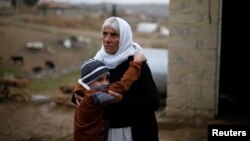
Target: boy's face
<point>101,81</point>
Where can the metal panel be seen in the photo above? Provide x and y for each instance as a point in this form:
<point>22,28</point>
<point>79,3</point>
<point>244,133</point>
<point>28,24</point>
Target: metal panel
<point>157,59</point>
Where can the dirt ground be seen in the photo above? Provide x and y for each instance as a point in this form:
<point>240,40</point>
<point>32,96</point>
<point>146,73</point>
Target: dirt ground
<point>35,122</point>
<point>50,122</point>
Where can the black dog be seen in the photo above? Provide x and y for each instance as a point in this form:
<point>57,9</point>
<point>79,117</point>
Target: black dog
<point>17,59</point>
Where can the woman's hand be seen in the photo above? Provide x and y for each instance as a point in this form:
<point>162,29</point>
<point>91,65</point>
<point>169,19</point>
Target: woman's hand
<point>118,96</point>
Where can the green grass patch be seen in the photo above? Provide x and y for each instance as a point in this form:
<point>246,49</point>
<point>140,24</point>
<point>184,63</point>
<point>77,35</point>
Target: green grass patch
<point>10,71</point>
<point>52,84</point>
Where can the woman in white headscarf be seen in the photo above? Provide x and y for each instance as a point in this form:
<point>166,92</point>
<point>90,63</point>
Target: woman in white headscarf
<point>133,119</point>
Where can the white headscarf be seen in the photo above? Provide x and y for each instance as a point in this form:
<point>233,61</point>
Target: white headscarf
<point>126,47</point>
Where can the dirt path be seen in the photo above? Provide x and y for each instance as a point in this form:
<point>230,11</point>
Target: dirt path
<point>35,122</point>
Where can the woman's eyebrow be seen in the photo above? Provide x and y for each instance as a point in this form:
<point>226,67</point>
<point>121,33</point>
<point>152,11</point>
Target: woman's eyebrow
<point>114,33</point>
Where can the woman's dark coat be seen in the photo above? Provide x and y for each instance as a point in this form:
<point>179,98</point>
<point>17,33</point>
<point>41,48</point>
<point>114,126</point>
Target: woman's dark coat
<point>138,106</point>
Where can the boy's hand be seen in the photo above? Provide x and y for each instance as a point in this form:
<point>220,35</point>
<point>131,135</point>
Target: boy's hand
<point>139,57</point>
<point>118,96</point>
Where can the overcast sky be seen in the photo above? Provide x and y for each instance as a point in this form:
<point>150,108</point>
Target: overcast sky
<point>116,1</point>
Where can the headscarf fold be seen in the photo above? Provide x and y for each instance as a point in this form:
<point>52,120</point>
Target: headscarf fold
<point>126,47</point>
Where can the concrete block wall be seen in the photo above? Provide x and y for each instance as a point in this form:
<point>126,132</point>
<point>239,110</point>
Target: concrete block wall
<point>192,48</point>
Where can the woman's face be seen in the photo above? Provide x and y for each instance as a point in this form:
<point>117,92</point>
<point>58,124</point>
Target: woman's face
<point>110,40</point>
